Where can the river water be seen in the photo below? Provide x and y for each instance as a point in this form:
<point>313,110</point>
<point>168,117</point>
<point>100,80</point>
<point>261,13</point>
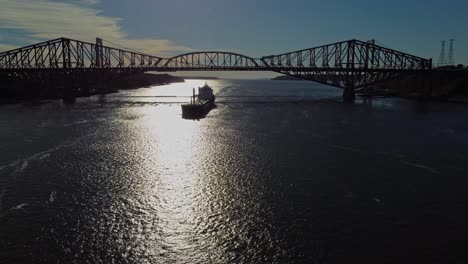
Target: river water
<point>279,172</point>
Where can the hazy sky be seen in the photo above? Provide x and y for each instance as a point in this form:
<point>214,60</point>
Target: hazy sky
<point>250,27</point>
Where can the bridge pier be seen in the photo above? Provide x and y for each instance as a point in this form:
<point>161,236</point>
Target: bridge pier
<point>69,91</point>
<point>426,85</point>
<point>349,93</point>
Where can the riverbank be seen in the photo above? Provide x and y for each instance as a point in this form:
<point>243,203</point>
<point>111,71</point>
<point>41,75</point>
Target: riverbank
<point>286,78</point>
<point>55,86</point>
<point>141,80</point>
<point>441,86</point>
<point>198,77</point>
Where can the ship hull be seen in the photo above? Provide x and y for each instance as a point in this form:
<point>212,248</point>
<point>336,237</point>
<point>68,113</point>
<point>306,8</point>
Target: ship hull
<point>199,110</point>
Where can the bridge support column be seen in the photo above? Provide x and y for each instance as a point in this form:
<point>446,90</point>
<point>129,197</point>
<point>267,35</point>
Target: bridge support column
<point>349,94</point>
<point>69,91</point>
<point>426,84</point>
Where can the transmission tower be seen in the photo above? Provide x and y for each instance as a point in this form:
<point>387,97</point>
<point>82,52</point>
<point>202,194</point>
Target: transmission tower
<point>442,55</point>
<point>451,58</point>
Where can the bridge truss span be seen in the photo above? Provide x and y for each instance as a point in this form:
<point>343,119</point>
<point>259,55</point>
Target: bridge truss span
<point>212,61</point>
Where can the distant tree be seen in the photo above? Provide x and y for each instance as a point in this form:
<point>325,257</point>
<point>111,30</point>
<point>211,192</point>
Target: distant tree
<point>447,67</point>
<point>460,66</point>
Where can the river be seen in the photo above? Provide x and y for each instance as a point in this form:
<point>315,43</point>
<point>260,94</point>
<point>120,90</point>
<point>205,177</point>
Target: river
<point>279,172</point>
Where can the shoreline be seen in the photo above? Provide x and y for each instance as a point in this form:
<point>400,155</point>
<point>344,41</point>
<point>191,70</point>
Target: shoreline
<point>19,93</point>
<point>450,86</point>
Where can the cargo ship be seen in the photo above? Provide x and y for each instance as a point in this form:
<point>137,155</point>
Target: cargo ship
<point>200,104</point>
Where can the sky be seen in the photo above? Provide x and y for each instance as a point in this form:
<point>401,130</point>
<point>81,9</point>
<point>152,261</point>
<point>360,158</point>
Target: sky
<point>254,28</point>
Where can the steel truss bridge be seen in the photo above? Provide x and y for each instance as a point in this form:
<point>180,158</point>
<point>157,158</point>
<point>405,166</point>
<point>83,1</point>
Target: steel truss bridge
<point>351,65</point>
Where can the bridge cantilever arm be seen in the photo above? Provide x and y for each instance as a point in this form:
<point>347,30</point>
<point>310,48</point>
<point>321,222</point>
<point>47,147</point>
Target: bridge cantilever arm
<point>32,46</point>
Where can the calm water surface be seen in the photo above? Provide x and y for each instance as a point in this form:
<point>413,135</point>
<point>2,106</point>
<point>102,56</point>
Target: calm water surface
<point>280,172</point>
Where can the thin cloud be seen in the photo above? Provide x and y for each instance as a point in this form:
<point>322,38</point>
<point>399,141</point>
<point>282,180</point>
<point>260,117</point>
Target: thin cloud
<point>5,47</point>
<point>90,2</point>
<point>44,19</point>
